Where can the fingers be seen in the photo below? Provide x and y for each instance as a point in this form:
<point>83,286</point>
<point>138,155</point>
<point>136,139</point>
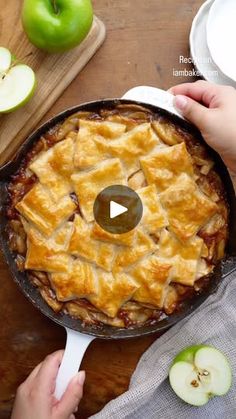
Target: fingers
<point>201,91</point>
<point>191,110</point>
<point>46,376</point>
<point>33,373</point>
<point>71,397</point>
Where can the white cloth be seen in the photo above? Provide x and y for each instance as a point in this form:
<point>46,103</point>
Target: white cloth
<point>150,395</point>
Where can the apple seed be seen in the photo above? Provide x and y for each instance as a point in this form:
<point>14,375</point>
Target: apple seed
<point>206,373</point>
<point>194,383</point>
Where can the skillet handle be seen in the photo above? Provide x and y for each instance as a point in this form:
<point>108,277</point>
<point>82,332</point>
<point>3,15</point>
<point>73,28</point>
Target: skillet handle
<point>153,96</point>
<point>76,345</point>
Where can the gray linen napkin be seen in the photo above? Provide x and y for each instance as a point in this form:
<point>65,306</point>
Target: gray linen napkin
<point>150,396</point>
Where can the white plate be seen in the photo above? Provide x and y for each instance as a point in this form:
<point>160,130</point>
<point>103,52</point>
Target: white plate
<point>221,36</point>
<point>199,49</point>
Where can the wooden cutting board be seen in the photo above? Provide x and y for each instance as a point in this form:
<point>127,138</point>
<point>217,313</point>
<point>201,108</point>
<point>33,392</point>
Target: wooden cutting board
<point>54,73</point>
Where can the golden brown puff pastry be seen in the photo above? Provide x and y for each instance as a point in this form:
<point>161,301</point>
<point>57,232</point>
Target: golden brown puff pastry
<point>185,257</point>
<point>39,207</point>
<point>59,240</point>
<point>54,168</point>
<point>45,254</point>
<point>153,276</point>
<point>79,282</point>
<point>169,246</point>
<point>184,270</point>
<point>87,153</point>
<point>62,236</point>
<point>143,246</point>
<point>154,217</point>
<point>113,292</point>
<point>187,207</point>
<point>89,184</point>
<point>82,244</point>
<point>131,146</point>
<point>125,239</point>
<point>163,167</point>
<point>107,129</point>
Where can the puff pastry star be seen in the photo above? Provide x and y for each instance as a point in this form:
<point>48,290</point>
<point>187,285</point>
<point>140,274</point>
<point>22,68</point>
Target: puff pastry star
<point>166,164</point>
<point>78,282</point>
<point>87,185</point>
<point>83,245</point>
<point>143,246</point>
<point>154,216</point>
<point>131,146</point>
<point>153,276</point>
<point>188,209</point>
<point>125,239</point>
<point>39,207</point>
<point>113,292</point>
<point>185,257</point>
<point>45,254</point>
<point>55,167</point>
<point>87,153</point>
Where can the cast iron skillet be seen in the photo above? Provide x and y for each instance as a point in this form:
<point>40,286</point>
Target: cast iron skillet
<point>109,332</point>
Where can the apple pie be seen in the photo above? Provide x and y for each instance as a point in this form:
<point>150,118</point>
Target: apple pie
<point>129,279</point>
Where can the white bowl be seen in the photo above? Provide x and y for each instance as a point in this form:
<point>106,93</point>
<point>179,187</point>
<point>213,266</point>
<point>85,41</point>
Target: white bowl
<point>221,36</point>
<point>199,50</point>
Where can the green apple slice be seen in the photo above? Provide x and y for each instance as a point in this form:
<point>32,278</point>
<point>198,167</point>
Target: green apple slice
<point>17,83</point>
<point>199,373</point>
<point>5,60</point>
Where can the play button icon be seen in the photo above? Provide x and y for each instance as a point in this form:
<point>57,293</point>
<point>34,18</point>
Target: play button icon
<point>118,209</point>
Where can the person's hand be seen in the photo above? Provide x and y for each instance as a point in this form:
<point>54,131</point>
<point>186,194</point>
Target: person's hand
<point>212,108</point>
<point>35,397</point>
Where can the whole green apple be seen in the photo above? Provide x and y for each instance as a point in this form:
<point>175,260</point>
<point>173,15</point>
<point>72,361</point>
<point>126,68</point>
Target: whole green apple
<point>57,25</point>
<point>199,373</point>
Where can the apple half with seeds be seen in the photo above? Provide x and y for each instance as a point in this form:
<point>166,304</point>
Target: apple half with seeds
<point>17,82</point>
<point>199,373</point>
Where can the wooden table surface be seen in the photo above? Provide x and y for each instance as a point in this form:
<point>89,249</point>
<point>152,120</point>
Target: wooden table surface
<point>143,45</point>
